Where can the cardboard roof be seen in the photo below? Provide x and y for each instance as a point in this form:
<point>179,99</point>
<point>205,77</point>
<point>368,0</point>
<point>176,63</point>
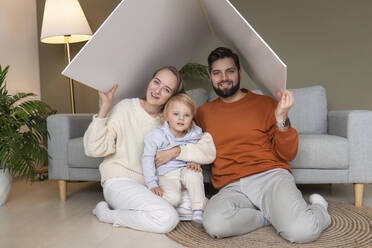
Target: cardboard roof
<point>141,35</point>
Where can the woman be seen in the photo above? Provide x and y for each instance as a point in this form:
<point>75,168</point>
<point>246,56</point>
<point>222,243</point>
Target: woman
<point>118,137</point>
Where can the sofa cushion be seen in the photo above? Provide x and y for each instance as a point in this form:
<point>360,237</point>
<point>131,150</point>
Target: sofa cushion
<point>321,152</point>
<point>309,113</point>
<point>76,155</point>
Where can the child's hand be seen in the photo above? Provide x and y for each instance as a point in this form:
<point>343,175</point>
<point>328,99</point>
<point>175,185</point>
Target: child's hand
<point>157,191</point>
<point>195,167</point>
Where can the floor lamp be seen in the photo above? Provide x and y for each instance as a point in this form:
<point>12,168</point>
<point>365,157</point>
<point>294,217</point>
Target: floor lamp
<point>64,22</point>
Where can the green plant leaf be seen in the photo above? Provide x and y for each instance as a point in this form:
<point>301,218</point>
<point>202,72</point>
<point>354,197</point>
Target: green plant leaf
<point>194,70</point>
<point>23,131</point>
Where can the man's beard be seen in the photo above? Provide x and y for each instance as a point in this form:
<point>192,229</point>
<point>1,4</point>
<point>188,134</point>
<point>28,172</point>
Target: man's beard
<point>224,93</point>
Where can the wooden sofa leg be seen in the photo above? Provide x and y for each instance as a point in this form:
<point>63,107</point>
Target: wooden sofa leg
<point>358,194</point>
<point>62,185</point>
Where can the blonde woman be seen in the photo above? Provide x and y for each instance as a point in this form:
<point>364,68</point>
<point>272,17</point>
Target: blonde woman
<point>118,136</point>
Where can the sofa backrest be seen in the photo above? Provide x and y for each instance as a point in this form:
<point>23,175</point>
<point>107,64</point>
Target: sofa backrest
<point>309,113</point>
<point>199,95</point>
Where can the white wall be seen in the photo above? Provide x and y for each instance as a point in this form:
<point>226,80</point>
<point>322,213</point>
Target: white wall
<point>19,45</point>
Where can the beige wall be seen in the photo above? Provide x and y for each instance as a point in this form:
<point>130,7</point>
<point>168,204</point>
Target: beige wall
<point>19,45</point>
<point>322,42</point>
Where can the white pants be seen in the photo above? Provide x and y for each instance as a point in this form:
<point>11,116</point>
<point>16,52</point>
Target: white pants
<point>137,207</point>
<point>171,183</point>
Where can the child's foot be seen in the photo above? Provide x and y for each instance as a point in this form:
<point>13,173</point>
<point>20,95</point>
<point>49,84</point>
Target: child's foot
<point>318,199</point>
<point>184,213</point>
<point>103,212</point>
<point>184,209</point>
<point>197,216</point>
<point>185,200</point>
<point>197,219</point>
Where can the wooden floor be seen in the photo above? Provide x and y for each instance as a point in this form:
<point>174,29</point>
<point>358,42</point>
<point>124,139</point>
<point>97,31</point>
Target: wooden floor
<point>34,217</point>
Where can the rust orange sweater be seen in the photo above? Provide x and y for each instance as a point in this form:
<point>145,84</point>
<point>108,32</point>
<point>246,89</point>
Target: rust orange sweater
<point>246,137</point>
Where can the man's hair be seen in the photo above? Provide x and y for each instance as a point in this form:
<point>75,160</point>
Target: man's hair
<point>220,53</point>
<point>182,98</point>
<point>180,87</point>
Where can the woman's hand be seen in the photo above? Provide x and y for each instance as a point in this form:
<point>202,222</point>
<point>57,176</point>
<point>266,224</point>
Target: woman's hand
<point>195,167</point>
<point>162,157</point>
<point>106,101</point>
<point>286,101</point>
<point>157,191</point>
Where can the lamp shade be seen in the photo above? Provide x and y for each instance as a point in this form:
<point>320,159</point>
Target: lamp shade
<point>64,18</point>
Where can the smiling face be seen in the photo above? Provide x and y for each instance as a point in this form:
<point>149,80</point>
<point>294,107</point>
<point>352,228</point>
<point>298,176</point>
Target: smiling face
<point>225,77</point>
<point>179,117</point>
<point>161,87</point>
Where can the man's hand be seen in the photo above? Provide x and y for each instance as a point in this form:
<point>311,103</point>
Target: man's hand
<point>157,191</point>
<point>162,157</point>
<point>286,101</point>
<point>195,167</point>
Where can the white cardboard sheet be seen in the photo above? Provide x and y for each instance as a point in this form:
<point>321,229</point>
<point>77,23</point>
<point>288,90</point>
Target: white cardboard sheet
<point>142,35</point>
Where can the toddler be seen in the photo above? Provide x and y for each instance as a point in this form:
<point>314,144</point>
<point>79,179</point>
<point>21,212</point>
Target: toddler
<point>167,180</point>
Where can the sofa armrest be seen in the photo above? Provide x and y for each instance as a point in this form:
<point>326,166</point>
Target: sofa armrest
<point>62,128</point>
<point>356,126</point>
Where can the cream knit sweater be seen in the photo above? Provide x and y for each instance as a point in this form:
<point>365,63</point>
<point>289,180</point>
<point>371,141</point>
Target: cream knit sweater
<point>120,139</point>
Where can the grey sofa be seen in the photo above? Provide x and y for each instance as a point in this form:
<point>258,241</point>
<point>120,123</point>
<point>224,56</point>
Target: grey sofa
<point>334,147</point>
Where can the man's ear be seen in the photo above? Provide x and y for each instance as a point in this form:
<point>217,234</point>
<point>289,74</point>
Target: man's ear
<point>240,72</point>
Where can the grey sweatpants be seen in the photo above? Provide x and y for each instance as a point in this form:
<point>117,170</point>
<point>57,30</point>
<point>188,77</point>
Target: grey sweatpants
<point>242,207</point>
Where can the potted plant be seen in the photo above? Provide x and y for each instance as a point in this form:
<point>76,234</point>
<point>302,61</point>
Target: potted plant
<point>195,70</point>
<point>23,133</point>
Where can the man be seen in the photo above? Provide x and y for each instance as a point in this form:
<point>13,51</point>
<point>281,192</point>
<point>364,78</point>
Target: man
<point>254,141</point>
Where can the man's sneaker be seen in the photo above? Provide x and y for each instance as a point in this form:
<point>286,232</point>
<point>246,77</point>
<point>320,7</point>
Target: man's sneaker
<point>318,199</point>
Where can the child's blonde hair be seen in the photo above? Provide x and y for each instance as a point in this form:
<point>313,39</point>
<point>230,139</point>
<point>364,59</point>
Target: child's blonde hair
<point>183,98</point>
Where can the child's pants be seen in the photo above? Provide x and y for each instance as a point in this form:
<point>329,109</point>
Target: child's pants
<point>138,207</point>
<point>171,183</point>
<point>240,207</point>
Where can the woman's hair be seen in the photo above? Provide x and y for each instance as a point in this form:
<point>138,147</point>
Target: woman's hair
<point>179,88</point>
<point>182,98</point>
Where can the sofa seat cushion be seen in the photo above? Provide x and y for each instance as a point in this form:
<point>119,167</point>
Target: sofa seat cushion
<point>76,155</point>
<point>317,151</point>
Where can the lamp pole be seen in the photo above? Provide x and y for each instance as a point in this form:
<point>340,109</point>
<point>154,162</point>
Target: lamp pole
<point>72,93</point>
<point>64,22</point>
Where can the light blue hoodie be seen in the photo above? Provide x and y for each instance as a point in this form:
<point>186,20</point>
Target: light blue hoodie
<point>161,138</point>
